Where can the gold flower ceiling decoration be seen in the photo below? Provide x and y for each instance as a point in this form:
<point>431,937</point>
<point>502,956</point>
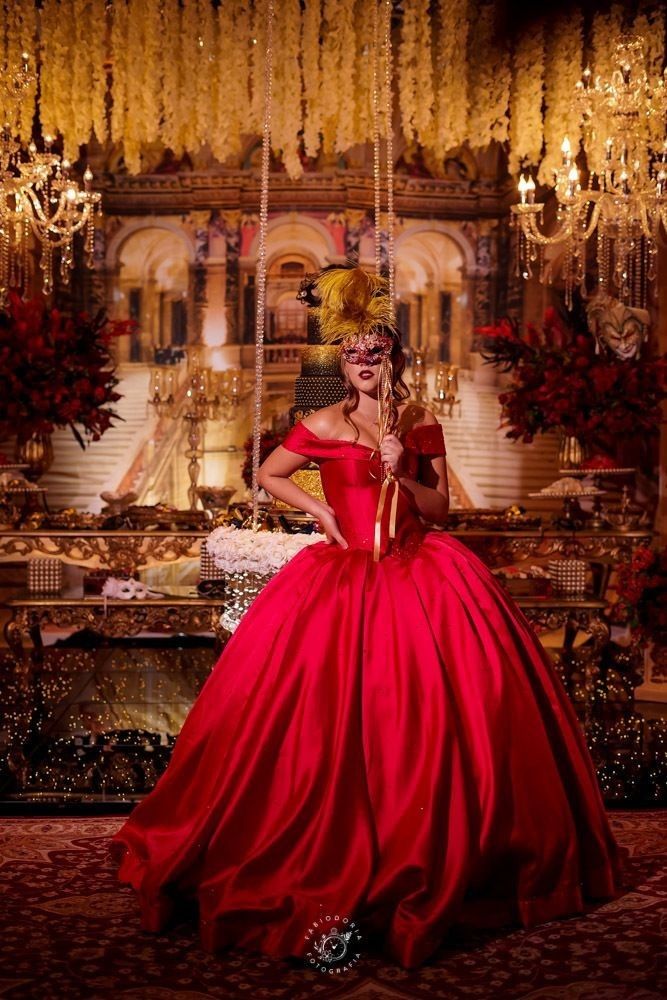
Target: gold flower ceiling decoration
<point>189,74</point>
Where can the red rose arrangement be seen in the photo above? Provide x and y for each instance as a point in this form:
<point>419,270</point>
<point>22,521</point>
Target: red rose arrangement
<point>267,442</point>
<point>641,591</point>
<point>56,370</point>
<point>559,381</point>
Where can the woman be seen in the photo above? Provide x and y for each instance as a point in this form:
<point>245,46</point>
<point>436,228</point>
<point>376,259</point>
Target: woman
<point>383,737</point>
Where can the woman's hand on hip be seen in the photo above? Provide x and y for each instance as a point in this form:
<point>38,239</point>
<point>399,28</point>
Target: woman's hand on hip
<point>326,517</point>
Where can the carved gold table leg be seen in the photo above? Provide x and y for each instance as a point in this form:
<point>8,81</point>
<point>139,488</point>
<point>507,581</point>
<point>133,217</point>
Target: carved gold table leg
<point>14,632</point>
<point>584,663</point>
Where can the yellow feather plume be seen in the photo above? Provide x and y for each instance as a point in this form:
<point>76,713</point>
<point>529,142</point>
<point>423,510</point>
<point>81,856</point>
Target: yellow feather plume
<point>352,303</point>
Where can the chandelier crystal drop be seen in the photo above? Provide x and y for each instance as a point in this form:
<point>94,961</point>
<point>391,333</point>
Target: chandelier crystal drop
<point>42,205</point>
<point>624,202</point>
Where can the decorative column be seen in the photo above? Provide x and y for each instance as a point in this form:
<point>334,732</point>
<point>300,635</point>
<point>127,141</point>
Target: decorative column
<point>200,225</point>
<point>486,263</point>
<point>98,275</point>
<point>229,226</point>
<point>106,281</point>
<point>246,294</point>
<point>359,225</point>
<point>510,285</point>
<point>480,283</point>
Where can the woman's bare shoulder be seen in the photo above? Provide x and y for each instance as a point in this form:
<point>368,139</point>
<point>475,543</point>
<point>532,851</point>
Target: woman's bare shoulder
<point>413,415</point>
<point>324,422</point>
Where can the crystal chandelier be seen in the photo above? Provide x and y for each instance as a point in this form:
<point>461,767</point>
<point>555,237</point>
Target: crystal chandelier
<point>40,201</point>
<point>625,201</point>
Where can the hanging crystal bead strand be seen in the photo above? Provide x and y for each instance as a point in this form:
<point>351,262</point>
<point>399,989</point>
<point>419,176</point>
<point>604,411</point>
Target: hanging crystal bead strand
<point>389,125</point>
<point>261,262</point>
<point>376,133</point>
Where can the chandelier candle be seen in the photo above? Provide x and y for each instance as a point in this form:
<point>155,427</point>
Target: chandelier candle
<point>624,200</point>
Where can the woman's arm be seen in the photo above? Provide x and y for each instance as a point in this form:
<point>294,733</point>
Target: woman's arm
<point>432,495</point>
<point>431,491</point>
<point>273,476</point>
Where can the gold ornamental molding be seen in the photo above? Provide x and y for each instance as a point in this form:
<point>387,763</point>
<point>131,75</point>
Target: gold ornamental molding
<point>500,548</point>
<point>340,191</point>
<point>549,614</point>
<point>116,550</point>
<point>114,619</point>
<point>127,550</point>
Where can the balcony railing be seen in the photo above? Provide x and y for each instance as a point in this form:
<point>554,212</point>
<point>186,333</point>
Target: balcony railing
<point>277,357</point>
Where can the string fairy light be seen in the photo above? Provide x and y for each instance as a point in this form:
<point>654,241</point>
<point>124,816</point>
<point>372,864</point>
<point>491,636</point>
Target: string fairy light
<point>261,262</point>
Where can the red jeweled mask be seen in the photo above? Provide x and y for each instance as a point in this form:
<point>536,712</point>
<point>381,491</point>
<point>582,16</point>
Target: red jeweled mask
<point>367,350</point>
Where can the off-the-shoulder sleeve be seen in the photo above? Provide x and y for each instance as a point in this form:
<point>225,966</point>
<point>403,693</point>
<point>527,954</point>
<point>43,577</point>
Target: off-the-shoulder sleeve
<point>429,439</point>
<point>300,440</point>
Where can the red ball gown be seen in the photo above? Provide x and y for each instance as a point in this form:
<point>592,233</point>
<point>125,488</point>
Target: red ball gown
<point>381,738</point>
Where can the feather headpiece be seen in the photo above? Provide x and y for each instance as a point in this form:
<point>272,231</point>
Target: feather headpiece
<point>351,306</point>
<point>349,302</point>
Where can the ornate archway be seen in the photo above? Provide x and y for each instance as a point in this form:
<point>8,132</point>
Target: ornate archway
<point>430,286</point>
<point>150,276</point>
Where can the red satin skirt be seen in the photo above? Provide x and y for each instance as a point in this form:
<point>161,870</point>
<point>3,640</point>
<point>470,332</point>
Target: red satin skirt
<point>388,741</point>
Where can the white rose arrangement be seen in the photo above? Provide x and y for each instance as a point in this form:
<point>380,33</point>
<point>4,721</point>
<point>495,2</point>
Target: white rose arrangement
<point>242,550</point>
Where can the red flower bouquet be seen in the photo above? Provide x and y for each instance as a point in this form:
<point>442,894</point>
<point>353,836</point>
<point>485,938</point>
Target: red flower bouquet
<point>641,591</point>
<point>558,380</point>
<point>56,370</point>
<point>267,442</point>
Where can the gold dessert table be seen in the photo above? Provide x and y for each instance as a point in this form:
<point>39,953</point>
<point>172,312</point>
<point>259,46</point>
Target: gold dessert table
<point>122,550</point>
<point>130,550</point>
<point>111,619</point>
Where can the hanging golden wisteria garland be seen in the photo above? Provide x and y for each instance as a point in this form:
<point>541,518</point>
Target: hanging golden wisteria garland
<point>450,110</point>
<point>312,77</point>
<point>229,80</point>
<point>16,64</point>
<point>562,70</point>
<point>650,25</point>
<point>189,74</point>
<point>363,73</point>
<point>527,93</point>
<point>489,76</point>
<point>288,80</point>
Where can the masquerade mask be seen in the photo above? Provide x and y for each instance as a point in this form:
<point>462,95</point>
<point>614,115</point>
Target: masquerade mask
<point>367,350</point>
<point>618,327</point>
<point>125,590</point>
<point>354,309</point>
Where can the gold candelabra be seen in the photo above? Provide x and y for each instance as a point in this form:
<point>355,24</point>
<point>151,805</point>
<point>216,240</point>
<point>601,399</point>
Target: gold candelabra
<point>208,395</point>
<point>624,202</point>
<point>418,383</point>
<point>446,388</point>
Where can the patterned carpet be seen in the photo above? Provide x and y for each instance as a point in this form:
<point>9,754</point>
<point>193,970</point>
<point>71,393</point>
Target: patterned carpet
<point>68,931</point>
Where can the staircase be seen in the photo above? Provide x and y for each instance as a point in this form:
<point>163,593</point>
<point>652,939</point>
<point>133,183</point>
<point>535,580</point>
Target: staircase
<point>486,468</point>
<point>77,477</point>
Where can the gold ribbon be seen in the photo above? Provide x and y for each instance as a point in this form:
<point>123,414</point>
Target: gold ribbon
<point>384,490</point>
<point>385,411</point>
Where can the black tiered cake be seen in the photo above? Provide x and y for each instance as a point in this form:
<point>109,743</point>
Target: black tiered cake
<point>319,383</point>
